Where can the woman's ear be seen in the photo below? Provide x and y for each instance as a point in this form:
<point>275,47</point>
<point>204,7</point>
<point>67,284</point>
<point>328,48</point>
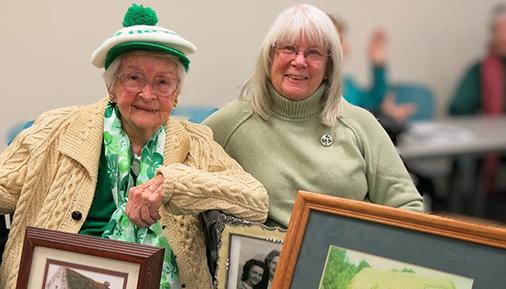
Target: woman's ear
<point>177,93</point>
<point>112,96</point>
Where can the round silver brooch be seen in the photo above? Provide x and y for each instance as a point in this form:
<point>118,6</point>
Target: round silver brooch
<point>326,140</point>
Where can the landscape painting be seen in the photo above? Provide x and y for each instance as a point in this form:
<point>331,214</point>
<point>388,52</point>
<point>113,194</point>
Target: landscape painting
<point>349,269</point>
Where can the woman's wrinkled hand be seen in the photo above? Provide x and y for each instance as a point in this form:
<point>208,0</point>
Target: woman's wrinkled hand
<point>144,201</point>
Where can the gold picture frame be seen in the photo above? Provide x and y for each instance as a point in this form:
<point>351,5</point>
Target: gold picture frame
<point>241,241</point>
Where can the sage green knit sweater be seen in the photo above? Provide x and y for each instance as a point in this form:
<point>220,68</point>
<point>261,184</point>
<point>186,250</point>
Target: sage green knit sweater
<point>285,153</point>
<point>50,171</point>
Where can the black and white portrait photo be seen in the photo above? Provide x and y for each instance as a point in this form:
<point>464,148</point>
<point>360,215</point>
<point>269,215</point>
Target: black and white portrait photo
<point>253,262</point>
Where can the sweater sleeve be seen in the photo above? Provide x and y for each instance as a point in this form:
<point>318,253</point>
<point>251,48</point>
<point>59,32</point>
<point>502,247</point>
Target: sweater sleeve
<point>212,180</point>
<point>389,182</point>
<point>27,145</point>
<point>13,166</point>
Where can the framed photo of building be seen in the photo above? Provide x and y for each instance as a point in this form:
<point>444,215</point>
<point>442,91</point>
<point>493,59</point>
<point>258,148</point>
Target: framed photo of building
<point>54,260</point>
<point>248,253</point>
<point>340,243</point>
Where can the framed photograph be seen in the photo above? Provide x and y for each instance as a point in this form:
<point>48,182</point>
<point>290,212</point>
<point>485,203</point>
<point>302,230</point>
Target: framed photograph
<point>248,253</point>
<point>55,260</point>
<point>340,243</point>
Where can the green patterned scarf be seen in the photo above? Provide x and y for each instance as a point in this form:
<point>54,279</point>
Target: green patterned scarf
<point>119,158</point>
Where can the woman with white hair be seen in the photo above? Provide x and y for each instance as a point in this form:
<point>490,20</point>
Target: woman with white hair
<point>121,168</point>
<point>292,130</point>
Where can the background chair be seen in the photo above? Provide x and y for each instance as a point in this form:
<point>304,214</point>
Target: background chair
<point>431,175</point>
<point>14,130</point>
<point>418,94</point>
<point>193,113</point>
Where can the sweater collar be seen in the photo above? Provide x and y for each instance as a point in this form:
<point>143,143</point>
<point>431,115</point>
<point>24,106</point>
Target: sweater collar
<point>297,109</point>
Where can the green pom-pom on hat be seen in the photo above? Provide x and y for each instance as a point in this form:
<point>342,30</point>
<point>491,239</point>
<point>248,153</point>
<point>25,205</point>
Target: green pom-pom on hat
<point>139,15</point>
<point>141,33</point>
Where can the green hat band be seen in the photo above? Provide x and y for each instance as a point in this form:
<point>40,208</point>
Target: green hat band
<point>142,45</point>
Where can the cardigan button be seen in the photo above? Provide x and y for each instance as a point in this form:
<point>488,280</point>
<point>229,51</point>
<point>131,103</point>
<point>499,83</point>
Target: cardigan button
<point>183,285</point>
<point>76,215</point>
<point>163,227</point>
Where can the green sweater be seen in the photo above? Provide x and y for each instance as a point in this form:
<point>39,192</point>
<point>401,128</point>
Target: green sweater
<point>286,155</point>
<point>467,97</point>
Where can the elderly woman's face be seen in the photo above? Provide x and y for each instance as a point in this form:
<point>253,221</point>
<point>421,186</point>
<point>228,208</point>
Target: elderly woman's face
<point>255,274</point>
<point>145,89</point>
<point>298,77</point>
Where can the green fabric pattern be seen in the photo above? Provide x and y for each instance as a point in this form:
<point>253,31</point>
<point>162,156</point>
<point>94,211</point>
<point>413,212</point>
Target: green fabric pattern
<point>119,157</point>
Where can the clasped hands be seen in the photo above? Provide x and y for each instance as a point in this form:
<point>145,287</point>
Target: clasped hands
<point>144,202</point>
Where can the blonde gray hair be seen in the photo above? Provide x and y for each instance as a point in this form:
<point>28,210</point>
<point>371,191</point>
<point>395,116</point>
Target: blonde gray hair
<point>288,27</point>
<point>497,13</point>
<point>110,73</point>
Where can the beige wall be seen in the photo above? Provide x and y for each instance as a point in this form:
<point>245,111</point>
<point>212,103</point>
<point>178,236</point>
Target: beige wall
<point>46,45</point>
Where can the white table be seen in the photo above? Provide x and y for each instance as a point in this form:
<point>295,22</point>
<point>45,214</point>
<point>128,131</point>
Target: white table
<point>453,137</point>
<point>437,143</point>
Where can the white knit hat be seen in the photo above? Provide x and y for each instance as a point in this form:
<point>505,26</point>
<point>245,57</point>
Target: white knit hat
<point>140,33</point>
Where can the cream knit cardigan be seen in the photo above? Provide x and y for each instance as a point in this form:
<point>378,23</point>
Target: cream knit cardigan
<point>50,171</point>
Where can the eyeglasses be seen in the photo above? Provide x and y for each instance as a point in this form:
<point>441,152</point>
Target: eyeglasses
<point>135,82</point>
<point>289,52</point>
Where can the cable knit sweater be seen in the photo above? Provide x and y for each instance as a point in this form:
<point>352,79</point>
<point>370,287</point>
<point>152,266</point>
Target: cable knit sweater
<point>50,171</point>
<point>285,153</point>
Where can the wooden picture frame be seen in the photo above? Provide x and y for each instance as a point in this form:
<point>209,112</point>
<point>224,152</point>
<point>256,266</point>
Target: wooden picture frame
<point>51,257</point>
<point>474,253</point>
<point>241,241</point>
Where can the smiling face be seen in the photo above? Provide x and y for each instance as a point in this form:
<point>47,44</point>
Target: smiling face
<point>143,111</point>
<point>297,78</point>
<point>272,266</point>
<point>255,275</point>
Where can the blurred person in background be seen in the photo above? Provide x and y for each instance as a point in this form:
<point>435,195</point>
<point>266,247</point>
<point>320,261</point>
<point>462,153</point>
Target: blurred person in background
<point>482,90</point>
<point>377,98</point>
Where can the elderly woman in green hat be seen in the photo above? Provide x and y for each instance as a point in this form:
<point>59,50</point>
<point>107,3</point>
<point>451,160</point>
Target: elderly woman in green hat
<point>121,168</point>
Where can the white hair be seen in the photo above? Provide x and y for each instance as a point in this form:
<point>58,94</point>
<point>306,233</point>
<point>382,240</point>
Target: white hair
<point>288,27</point>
